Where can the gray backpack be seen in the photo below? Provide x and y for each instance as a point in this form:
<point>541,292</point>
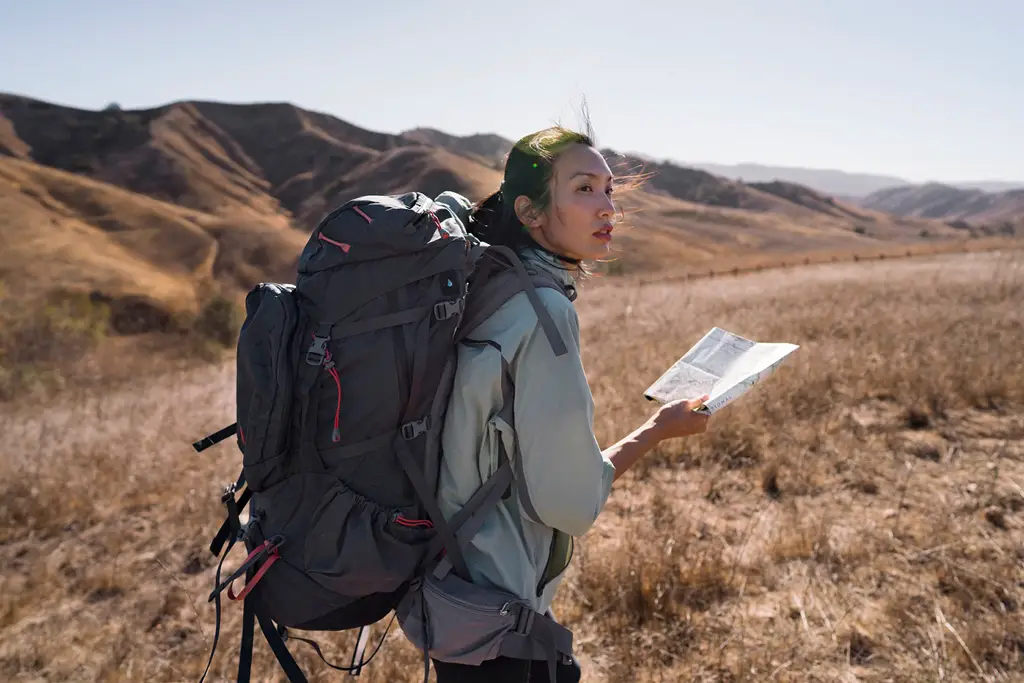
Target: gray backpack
<point>342,384</point>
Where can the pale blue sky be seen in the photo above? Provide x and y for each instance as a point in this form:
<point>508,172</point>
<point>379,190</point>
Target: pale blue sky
<point>924,89</point>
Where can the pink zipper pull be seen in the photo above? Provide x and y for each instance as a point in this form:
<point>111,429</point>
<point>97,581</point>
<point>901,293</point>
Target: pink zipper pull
<point>333,372</point>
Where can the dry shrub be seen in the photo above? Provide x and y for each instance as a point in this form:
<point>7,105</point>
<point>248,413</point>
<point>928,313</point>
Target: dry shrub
<point>219,320</point>
<point>40,339</point>
<point>77,340</point>
<point>648,592</point>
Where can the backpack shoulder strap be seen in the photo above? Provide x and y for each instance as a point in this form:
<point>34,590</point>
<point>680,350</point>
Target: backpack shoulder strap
<point>500,276</point>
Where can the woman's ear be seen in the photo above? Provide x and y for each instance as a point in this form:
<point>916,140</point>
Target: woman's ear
<point>526,213</point>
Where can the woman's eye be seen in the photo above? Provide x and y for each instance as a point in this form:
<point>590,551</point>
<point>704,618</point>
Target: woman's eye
<point>585,188</point>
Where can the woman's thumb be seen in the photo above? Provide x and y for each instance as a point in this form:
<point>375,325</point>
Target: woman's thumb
<point>695,403</point>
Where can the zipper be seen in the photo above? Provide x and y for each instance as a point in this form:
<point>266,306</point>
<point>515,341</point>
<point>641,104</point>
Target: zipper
<point>412,523</point>
<point>333,372</point>
<point>444,233</point>
<point>341,245</point>
<point>504,610</point>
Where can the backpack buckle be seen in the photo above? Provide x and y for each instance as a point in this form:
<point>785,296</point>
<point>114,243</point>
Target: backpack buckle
<point>524,620</point>
<point>410,430</point>
<point>443,310</point>
<point>228,493</point>
<point>317,351</point>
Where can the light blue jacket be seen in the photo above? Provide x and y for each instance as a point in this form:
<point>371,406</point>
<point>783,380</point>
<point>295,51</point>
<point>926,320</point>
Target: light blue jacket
<point>567,476</point>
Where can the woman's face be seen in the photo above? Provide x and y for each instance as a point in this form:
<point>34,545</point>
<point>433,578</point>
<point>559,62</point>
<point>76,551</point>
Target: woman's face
<point>578,221</point>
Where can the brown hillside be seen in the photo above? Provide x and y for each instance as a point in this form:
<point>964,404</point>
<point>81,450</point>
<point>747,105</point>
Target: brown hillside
<point>701,187</point>
<point>10,143</point>
<point>64,231</point>
<point>47,246</point>
<point>685,215</point>
<point>206,191</point>
<point>791,207</point>
<point>935,200</point>
<point>170,153</point>
<point>808,198</point>
<point>272,161</point>
<point>487,148</point>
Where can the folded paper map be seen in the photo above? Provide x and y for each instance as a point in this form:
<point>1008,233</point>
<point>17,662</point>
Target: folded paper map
<point>721,365</point>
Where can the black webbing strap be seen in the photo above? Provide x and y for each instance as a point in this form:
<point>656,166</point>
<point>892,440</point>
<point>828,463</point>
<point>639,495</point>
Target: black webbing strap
<point>228,533</point>
<point>419,368</point>
<point>248,632</point>
<point>308,389</point>
<point>276,642</point>
<point>232,523</point>
<point>216,606</point>
<point>419,483</point>
<point>405,456</point>
<point>537,636</point>
<point>468,520</point>
<point>380,322</point>
<point>358,448</point>
<point>215,438</point>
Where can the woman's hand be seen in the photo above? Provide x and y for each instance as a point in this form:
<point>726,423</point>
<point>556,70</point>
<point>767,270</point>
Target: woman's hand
<point>672,420</point>
<point>678,419</point>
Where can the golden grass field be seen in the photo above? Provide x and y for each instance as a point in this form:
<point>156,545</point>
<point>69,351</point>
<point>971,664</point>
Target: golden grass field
<point>859,517</point>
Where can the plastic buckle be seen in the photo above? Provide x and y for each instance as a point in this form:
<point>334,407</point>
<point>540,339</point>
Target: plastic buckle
<point>275,543</point>
<point>443,310</point>
<point>410,430</point>
<point>524,620</point>
<point>317,351</point>
<point>254,520</point>
<point>228,493</point>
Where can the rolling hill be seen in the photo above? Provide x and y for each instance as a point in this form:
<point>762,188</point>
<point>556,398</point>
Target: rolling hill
<point>835,182</point>
<point>949,203</point>
<point>164,205</point>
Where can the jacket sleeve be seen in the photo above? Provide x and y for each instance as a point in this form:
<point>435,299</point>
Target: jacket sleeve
<point>567,477</point>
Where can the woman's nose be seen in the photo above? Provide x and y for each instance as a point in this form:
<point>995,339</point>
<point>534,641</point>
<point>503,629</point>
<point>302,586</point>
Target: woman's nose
<point>607,209</point>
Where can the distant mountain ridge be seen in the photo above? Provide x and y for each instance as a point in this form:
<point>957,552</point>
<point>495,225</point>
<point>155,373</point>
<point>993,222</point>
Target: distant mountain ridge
<point>833,181</point>
<point>166,203</point>
<point>945,202</point>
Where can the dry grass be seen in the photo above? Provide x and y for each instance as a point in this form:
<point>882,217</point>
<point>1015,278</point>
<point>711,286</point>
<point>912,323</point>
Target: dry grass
<point>858,517</point>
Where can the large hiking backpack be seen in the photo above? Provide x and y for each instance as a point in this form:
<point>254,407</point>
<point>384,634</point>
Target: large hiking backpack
<point>343,379</point>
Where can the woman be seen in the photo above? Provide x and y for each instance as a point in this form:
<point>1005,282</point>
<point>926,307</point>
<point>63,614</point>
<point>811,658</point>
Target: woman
<point>554,207</point>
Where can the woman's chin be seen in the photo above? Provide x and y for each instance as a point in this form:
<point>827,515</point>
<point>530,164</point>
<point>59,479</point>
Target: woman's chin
<point>602,249</point>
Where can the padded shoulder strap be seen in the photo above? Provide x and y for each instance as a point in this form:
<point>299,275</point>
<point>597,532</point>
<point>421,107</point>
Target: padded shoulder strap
<point>502,276</point>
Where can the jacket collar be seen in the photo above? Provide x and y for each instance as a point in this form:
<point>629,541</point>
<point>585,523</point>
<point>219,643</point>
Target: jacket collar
<point>535,259</point>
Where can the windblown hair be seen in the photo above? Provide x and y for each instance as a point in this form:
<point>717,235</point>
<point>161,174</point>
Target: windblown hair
<point>528,171</point>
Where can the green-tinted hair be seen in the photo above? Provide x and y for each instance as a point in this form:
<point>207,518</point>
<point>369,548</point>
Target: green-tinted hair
<point>528,172</point>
